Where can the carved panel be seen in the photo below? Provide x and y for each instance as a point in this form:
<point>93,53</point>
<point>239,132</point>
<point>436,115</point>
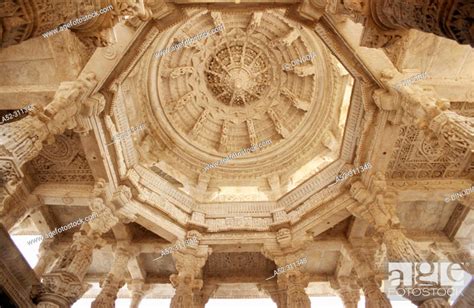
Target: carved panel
<point>62,162</point>
<point>242,264</point>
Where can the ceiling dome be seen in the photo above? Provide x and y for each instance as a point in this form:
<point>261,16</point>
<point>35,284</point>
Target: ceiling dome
<point>251,82</point>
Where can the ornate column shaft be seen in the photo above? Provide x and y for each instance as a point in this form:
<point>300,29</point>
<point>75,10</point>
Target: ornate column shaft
<point>22,140</point>
<point>435,303</point>
<point>466,298</point>
<point>292,281</point>
<point>189,263</point>
<point>347,289</point>
<point>374,298</point>
<point>378,208</point>
<point>427,110</point>
<point>114,281</point>
<point>138,290</point>
<point>295,282</point>
<point>276,294</point>
<point>202,296</point>
<point>63,284</point>
<point>46,258</point>
<point>456,253</point>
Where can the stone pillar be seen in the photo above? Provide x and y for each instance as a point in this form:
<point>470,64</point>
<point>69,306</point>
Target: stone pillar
<point>276,294</point>
<point>63,285</point>
<point>377,207</point>
<point>347,289</point>
<point>138,290</point>
<point>427,110</point>
<point>456,253</point>
<point>386,20</point>
<point>466,298</point>
<point>202,296</point>
<point>189,263</point>
<point>374,298</point>
<point>294,282</point>
<point>114,281</point>
<point>22,140</point>
<point>291,279</point>
<point>46,257</point>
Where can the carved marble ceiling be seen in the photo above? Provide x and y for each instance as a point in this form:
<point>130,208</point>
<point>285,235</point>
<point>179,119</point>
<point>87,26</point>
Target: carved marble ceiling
<point>229,91</point>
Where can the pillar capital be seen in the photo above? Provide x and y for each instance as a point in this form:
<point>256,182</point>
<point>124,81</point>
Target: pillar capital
<point>23,140</point>
<point>367,274</point>
<point>428,111</point>
<point>277,294</point>
<point>189,263</point>
<point>347,289</point>
<point>294,282</point>
<point>377,207</point>
<point>114,280</point>
<point>64,283</point>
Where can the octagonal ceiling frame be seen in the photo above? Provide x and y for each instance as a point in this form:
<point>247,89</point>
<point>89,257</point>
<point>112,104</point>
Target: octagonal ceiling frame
<point>311,189</point>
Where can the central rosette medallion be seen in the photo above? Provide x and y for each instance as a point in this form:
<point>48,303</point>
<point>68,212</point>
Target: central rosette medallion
<point>238,75</point>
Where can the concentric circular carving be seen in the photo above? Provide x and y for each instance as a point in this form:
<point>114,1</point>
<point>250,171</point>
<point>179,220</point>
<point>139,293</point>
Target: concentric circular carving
<point>227,91</point>
<point>239,74</point>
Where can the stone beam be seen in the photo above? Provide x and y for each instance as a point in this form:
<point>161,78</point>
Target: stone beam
<point>331,214</point>
<point>428,190</point>
<point>357,228</point>
<point>43,220</point>
<point>461,224</point>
